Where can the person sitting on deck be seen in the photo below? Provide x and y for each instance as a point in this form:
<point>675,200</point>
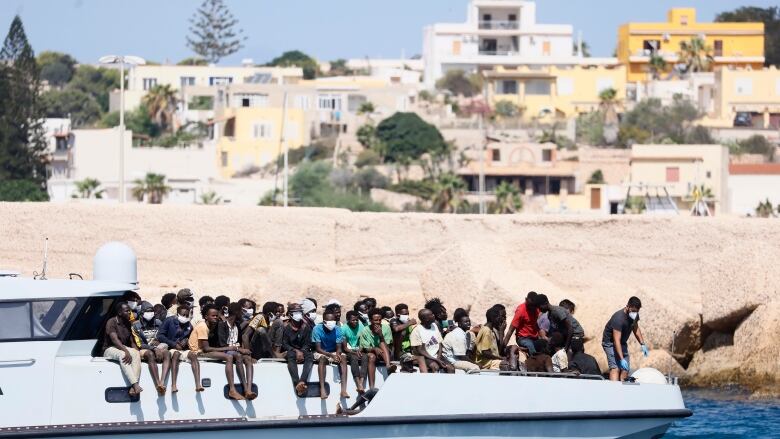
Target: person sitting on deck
<point>248,309</point>
<point>402,326</point>
<point>614,340</point>
<point>152,351</point>
<point>296,342</point>
<point>168,300</point>
<point>119,344</point>
<point>175,332</point>
<point>185,297</point>
<point>203,301</point>
<point>222,302</point>
<point>387,314</point>
<point>458,346</point>
<point>255,334</point>
<point>488,355</point>
<point>525,324</point>
<point>436,306</point>
<point>133,301</point>
<point>358,362</point>
<point>370,303</point>
<point>204,341</point>
<point>328,339</point>
<point>561,321</point>
<point>426,342</point>
<point>569,305</point>
<point>362,309</point>
<point>372,341</point>
<point>540,361</point>
<point>581,362</point>
<point>228,337</point>
<point>560,359</point>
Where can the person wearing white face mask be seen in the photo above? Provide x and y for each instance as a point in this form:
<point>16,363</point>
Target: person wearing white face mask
<point>615,339</point>
<point>152,351</point>
<point>328,339</point>
<point>402,326</point>
<point>175,332</point>
<point>297,344</point>
<point>309,306</point>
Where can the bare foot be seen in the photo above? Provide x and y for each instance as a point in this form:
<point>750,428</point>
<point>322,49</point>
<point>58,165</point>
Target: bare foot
<point>199,389</point>
<point>361,390</point>
<point>300,389</point>
<point>251,395</point>
<point>174,389</point>
<point>161,390</point>
<point>135,391</point>
<point>345,395</point>
<point>235,395</point>
<point>323,393</point>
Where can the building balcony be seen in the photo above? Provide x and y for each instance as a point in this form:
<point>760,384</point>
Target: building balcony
<point>499,52</point>
<point>499,25</point>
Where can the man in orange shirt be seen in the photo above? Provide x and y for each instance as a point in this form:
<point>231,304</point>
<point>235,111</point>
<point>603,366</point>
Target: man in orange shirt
<point>524,324</point>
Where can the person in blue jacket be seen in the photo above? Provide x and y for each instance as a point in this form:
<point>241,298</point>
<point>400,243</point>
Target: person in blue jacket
<point>175,332</point>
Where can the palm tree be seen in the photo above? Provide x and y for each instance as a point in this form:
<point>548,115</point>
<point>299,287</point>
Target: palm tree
<point>696,55</point>
<point>210,198</point>
<point>657,66</point>
<point>88,188</point>
<point>507,199</point>
<point>153,186</point>
<point>161,102</point>
<point>764,209</point>
<point>449,194</point>
<point>608,106</point>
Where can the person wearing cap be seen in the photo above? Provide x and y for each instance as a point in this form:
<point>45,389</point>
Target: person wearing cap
<point>175,332</point>
<point>296,342</point>
<point>152,351</point>
<point>309,307</point>
<point>328,339</point>
<point>614,340</point>
<point>185,297</point>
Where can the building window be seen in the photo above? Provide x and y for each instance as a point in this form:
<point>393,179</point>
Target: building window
<point>718,47</point>
<point>546,48</point>
<point>149,83</point>
<point>187,81</point>
<point>220,80</point>
<point>507,87</point>
<point>649,47</point>
<point>565,86</point>
<point>230,127</point>
<point>537,87</point>
<point>496,155</point>
<point>456,45</point>
<point>224,158</point>
<point>684,20</point>
<point>261,130</point>
<point>672,174</point>
<point>254,100</point>
<point>709,174</point>
<point>302,102</point>
<point>743,86</point>
<point>547,155</point>
<point>329,102</point>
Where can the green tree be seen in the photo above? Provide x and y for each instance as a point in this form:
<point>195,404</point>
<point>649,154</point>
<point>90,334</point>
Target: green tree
<point>460,84</point>
<point>757,144</point>
<point>406,137</point>
<point>366,108</point>
<point>590,128</point>
<point>508,199</point>
<point>88,188</point>
<point>449,194</point>
<point>339,68</point>
<point>210,198</point>
<point>507,109</point>
<point>597,177</point>
<point>764,209</point>
<point>214,32</point>
<point>23,146</point>
<point>367,157</point>
<point>696,55</point>
<point>369,178</point>
<point>152,188</point>
<point>770,16</point>
<point>97,82</point>
<point>193,61</point>
<point>160,103</point>
<point>657,66</point>
<point>82,108</point>
<point>56,68</point>
<point>22,190</point>
<point>296,58</point>
<point>651,121</point>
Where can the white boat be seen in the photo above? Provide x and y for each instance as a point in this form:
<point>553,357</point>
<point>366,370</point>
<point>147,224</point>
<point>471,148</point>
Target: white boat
<point>51,385</point>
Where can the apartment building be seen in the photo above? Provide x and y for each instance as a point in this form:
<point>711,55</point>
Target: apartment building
<point>733,44</point>
<point>681,168</point>
<point>753,92</point>
<point>750,184</point>
<point>560,92</point>
<point>497,33</point>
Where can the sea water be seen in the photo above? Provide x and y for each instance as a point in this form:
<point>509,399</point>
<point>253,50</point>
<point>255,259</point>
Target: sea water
<point>727,414</point>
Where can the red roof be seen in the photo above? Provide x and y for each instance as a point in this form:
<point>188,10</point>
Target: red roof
<point>755,169</point>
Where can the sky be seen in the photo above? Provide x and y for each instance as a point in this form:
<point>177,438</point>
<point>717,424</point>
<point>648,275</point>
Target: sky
<point>325,29</point>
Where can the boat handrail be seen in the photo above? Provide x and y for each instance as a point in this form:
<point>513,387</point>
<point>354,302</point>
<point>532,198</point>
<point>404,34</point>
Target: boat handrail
<point>536,374</point>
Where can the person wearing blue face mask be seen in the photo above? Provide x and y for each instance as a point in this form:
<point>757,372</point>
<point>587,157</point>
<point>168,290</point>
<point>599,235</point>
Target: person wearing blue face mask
<point>328,339</point>
<point>615,339</point>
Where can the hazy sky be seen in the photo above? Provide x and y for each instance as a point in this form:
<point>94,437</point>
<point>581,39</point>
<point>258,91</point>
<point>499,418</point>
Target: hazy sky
<point>326,29</point>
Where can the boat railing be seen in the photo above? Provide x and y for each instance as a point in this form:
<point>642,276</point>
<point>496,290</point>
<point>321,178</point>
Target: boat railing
<point>536,374</point>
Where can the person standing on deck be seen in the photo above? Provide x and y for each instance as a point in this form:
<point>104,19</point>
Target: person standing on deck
<point>525,324</point>
<point>119,344</point>
<point>561,321</point>
<point>614,340</point>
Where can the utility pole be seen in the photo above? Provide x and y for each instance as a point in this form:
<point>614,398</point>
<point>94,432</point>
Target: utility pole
<point>286,149</point>
<point>122,131</point>
<point>482,151</point>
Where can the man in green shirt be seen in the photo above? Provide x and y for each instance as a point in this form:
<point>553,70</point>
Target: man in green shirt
<point>358,362</point>
<point>402,326</point>
<point>372,342</point>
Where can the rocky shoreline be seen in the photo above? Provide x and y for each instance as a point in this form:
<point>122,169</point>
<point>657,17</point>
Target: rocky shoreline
<point>709,286</point>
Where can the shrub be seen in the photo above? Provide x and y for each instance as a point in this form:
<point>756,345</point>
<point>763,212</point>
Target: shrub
<point>22,190</point>
<point>507,109</point>
<point>369,178</point>
<point>420,188</point>
<point>367,157</point>
<point>597,177</point>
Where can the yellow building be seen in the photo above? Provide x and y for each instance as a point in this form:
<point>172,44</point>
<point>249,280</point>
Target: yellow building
<point>551,91</point>
<point>754,94</point>
<point>250,137</point>
<point>732,44</point>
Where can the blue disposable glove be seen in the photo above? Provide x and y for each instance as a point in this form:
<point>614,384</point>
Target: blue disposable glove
<point>645,350</point>
<point>624,364</point>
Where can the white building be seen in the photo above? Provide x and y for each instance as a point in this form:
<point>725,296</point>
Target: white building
<point>750,184</point>
<point>498,33</point>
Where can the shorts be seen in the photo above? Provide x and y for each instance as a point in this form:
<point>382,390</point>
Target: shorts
<point>612,362</point>
<point>318,355</point>
<point>182,355</point>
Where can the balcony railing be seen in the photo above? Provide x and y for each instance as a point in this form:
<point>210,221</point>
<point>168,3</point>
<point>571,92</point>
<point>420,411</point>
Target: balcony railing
<point>499,52</point>
<point>499,25</point>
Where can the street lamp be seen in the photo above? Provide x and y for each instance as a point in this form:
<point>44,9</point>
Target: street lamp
<point>122,61</point>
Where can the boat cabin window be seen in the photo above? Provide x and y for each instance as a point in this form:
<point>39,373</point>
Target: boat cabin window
<point>28,320</point>
<point>91,318</point>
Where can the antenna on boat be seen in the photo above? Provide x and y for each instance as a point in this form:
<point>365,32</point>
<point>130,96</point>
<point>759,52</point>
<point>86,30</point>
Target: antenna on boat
<point>42,276</point>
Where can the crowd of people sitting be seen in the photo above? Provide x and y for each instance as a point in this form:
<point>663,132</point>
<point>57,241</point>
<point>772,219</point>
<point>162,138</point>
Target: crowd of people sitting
<point>547,339</point>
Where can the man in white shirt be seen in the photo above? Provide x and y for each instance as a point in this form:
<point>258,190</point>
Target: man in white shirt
<point>426,343</point>
<point>459,344</point>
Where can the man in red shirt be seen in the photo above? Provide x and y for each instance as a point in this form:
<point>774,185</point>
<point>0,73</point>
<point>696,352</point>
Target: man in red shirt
<point>524,324</point>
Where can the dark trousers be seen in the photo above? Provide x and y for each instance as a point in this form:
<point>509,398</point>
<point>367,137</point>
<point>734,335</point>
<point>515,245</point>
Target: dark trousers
<point>261,345</point>
<point>292,365</point>
<point>358,367</point>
